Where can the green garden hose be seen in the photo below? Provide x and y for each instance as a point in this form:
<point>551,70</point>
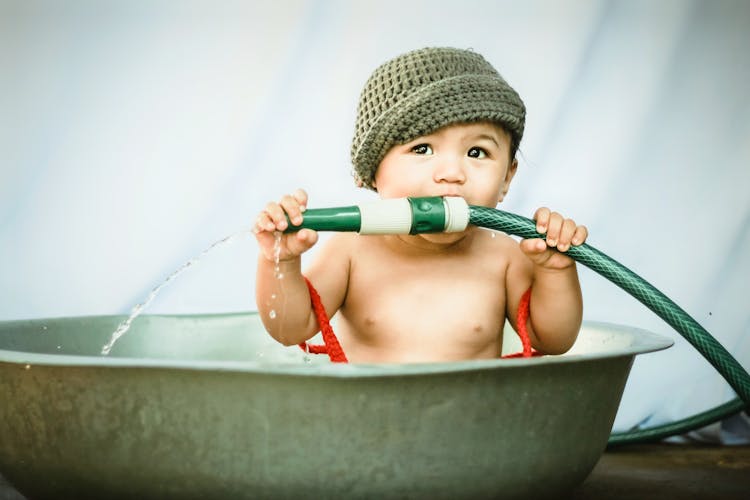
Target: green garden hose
<point>434,214</point>
<point>660,304</point>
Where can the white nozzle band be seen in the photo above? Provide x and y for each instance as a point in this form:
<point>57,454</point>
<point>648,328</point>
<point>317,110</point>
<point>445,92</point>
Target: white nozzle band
<point>456,214</point>
<point>391,216</point>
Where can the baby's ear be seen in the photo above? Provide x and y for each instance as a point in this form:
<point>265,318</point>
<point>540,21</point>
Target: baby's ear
<point>509,174</point>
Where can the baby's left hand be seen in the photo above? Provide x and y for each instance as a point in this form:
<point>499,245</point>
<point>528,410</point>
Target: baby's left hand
<point>561,234</point>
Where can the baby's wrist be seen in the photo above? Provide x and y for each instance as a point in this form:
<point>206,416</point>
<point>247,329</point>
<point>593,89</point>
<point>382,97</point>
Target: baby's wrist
<point>543,270</point>
<point>273,262</point>
<point>283,262</point>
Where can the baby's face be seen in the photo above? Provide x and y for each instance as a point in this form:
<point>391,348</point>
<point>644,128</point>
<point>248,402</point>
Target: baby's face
<point>468,160</point>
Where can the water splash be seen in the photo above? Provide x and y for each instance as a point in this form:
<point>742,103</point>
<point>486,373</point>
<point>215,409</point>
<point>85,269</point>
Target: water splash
<point>276,265</point>
<point>492,232</point>
<point>138,309</point>
<point>277,254</point>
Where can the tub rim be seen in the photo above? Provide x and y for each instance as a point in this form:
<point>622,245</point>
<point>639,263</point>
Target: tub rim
<point>644,342</point>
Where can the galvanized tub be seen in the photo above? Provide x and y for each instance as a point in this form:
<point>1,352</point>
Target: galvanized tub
<point>208,406</point>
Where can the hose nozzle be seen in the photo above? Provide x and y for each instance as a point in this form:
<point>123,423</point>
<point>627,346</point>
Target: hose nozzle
<point>432,214</point>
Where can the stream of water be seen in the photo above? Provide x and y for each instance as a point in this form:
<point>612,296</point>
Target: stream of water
<point>138,308</point>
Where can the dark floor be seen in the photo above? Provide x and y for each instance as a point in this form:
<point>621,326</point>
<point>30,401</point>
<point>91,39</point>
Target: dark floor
<point>636,472</point>
<point>669,471</point>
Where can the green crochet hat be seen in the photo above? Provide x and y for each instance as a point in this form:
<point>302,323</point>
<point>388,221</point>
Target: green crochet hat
<point>422,91</point>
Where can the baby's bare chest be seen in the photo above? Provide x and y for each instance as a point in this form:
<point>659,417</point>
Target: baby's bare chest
<point>408,302</point>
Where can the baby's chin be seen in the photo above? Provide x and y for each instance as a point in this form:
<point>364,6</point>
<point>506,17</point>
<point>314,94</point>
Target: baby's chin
<point>443,238</point>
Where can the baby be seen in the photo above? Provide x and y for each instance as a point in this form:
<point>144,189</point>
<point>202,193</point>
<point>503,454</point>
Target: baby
<point>432,122</point>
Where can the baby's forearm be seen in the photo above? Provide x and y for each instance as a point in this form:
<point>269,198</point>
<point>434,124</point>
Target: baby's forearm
<point>283,301</point>
<point>556,309</point>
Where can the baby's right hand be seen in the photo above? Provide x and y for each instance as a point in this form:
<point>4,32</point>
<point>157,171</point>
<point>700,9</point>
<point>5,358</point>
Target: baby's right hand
<point>273,219</point>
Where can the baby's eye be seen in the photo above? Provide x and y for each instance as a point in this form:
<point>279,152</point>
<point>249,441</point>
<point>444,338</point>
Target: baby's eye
<point>422,149</point>
<point>477,152</point>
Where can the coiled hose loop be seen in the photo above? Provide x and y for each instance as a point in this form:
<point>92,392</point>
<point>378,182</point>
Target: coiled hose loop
<point>656,301</point>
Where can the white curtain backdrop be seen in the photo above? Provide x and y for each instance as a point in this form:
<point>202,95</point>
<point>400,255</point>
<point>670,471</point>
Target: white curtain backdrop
<point>135,134</point>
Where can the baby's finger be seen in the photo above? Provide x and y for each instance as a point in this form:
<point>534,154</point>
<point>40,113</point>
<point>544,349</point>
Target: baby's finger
<point>263,223</point>
<point>542,219</point>
<point>276,214</point>
<point>580,235</point>
<point>533,246</point>
<point>301,196</point>
<point>536,250</point>
<point>554,226</point>
<point>301,241</point>
<point>292,208</point>
<point>566,235</point>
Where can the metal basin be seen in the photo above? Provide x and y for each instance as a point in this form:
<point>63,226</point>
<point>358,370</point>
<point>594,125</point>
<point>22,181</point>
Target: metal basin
<point>210,406</point>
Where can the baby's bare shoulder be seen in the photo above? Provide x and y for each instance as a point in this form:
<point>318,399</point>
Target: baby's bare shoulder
<point>498,248</point>
<point>334,248</point>
<point>495,241</point>
<point>339,241</point>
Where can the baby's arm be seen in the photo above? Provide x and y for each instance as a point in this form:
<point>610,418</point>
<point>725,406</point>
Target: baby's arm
<point>281,294</point>
<point>556,309</point>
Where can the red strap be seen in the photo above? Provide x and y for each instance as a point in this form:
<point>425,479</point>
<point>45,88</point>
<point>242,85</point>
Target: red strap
<point>332,346</point>
<point>336,353</point>
<point>522,319</point>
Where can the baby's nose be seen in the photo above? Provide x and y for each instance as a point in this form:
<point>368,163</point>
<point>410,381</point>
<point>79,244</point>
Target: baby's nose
<point>450,171</point>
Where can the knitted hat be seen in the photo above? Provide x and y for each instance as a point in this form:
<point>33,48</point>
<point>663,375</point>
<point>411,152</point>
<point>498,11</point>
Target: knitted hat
<point>421,91</point>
